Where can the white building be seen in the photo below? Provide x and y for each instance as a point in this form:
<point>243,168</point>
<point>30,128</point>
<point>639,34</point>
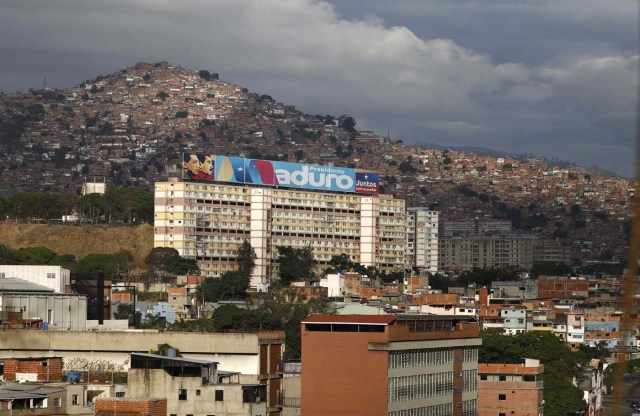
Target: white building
<point>334,283</point>
<point>208,221</point>
<point>422,239</point>
<point>53,277</point>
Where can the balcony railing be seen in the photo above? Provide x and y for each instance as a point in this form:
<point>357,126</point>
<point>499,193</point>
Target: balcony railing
<point>285,401</point>
<point>289,367</point>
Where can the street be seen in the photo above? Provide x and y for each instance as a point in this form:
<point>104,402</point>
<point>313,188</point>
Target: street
<point>632,393</point>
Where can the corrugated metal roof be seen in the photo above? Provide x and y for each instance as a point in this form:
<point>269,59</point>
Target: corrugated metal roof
<point>13,284</point>
<point>165,358</point>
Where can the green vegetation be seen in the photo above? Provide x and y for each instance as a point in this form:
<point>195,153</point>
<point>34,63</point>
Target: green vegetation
<point>560,365</point>
<point>295,264</point>
<point>166,261</point>
<point>119,205</point>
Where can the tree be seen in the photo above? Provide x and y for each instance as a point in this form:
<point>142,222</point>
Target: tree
<point>163,349</point>
<point>348,124</point>
<point>230,286</point>
<point>284,309</point>
<point>406,167</point>
<point>127,311</point>
<point>130,205</point>
<point>228,317</point>
<point>561,365</point>
<point>110,264</point>
<point>246,258</point>
<point>295,263</point>
<point>162,260</point>
<point>92,207</point>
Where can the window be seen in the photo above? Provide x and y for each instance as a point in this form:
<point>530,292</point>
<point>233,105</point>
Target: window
<point>197,392</point>
<point>502,414</point>
<point>120,394</point>
<point>219,395</point>
<point>51,275</point>
<point>502,397</point>
<point>483,377</point>
<point>502,378</point>
<point>57,402</point>
<point>74,399</point>
<point>182,394</point>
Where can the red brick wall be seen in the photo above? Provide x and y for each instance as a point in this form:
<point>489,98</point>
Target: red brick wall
<point>121,297</point>
<point>50,372</point>
<point>340,376</point>
<point>131,407</point>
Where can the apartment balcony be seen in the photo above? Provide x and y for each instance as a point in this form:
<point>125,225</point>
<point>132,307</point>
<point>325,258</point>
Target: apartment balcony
<point>290,367</point>
<point>284,401</point>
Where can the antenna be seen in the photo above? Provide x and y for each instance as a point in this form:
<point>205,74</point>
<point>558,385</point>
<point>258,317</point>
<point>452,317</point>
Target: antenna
<point>44,83</point>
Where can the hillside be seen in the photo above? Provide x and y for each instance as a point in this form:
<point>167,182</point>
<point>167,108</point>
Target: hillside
<point>81,240</point>
<point>132,127</point>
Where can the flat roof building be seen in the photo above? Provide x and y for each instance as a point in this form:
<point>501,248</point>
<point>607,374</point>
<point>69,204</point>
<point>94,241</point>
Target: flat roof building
<point>208,221</point>
<point>511,389</point>
<point>392,365</point>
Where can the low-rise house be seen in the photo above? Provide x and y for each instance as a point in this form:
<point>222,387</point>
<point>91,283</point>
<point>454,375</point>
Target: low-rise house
<point>513,389</point>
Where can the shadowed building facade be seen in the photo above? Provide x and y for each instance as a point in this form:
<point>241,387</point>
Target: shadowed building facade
<point>392,365</point>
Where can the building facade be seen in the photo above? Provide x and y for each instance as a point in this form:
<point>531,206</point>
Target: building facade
<point>422,239</point>
<point>511,389</point>
<point>195,387</point>
<point>208,221</point>
<point>465,252</point>
<point>54,277</point>
<point>389,365</point>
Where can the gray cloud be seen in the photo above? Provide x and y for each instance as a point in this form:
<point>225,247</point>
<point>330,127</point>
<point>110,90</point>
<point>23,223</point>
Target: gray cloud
<point>555,78</point>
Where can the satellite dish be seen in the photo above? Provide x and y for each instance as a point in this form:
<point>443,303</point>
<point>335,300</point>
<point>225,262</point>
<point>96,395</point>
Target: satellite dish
<point>126,361</point>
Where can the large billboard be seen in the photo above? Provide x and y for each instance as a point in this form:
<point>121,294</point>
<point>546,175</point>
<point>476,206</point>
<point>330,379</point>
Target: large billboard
<point>211,168</point>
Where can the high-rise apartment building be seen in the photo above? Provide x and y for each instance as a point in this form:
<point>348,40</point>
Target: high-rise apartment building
<point>422,239</point>
<point>467,252</point>
<point>466,244</point>
<point>391,365</point>
<point>271,204</point>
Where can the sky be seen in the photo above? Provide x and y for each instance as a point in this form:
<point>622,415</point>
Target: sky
<point>556,78</point>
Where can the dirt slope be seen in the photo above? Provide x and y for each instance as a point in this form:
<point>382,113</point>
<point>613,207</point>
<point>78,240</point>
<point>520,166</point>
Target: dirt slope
<point>81,240</point>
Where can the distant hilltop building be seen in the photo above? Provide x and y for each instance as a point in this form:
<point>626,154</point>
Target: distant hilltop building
<point>94,185</point>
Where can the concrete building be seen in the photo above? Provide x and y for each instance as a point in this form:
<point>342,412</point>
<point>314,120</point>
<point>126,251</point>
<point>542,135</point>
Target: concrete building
<point>551,251</point>
<point>289,394</point>
<point>511,389</point>
<point>422,239</point>
<point>195,387</point>
<point>393,365</point>
<point>40,399</point>
<point>23,303</point>
<point>255,355</point>
<point>524,289</point>
<point>208,221</point>
<point>54,277</point>
<point>562,287</point>
<point>475,226</point>
<point>486,251</point>
<point>514,319</point>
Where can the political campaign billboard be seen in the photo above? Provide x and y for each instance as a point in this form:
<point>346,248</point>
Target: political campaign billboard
<point>283,174</point>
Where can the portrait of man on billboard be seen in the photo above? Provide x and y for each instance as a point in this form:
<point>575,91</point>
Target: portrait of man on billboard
<point>198,167</point>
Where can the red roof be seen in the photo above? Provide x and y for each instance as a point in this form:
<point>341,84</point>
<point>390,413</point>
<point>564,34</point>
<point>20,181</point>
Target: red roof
<point>351,319</point>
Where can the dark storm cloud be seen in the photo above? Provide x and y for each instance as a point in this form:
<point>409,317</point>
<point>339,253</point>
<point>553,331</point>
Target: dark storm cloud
<point>554,78</point>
